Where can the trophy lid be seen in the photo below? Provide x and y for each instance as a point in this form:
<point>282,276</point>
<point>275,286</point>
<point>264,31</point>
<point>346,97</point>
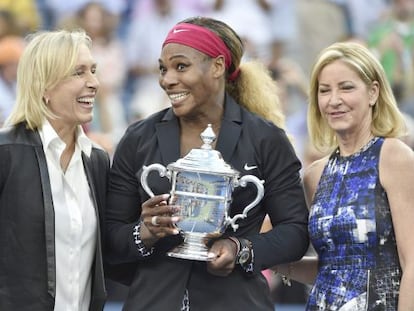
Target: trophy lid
<point>204,159</point>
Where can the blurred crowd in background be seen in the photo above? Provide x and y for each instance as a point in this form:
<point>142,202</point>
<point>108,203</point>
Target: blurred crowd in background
<point>285,35</point>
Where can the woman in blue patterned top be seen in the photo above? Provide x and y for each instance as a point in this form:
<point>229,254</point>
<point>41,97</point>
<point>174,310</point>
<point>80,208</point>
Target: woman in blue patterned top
<point>361,195</point>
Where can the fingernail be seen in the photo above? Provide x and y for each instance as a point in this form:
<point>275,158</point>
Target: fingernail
<point>175,219</point>
<point>176,231</point>
<point>211,255</point>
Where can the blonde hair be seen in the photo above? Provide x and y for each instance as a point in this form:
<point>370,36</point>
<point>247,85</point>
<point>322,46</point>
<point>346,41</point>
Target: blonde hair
<point>49,58</point>
<point>387,120</point>
<point>254,88</point>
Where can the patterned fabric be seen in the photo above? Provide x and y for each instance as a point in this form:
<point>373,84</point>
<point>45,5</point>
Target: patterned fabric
<point>142,249</point>
<point>186,302</point>
<point>351,229</point>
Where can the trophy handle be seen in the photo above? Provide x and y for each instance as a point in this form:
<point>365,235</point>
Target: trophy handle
<point>260,193</point>
<point>146,170</point>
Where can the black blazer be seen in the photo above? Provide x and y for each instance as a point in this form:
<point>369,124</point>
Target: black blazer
<point>158,282</point>
<point>27,238</point>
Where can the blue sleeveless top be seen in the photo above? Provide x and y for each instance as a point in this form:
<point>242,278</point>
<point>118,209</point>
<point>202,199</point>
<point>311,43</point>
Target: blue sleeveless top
<point>351,229</point>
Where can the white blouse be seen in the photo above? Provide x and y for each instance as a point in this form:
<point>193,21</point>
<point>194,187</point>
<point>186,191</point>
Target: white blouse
<point>75,221</point>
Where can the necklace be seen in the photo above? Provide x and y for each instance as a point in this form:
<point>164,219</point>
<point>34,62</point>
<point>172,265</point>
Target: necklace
<point>368,144</point>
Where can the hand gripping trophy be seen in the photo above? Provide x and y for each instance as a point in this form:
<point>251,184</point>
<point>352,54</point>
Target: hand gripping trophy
<point>202,185</point>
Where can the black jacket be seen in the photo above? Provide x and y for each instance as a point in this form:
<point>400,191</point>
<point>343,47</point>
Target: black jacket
<point>27,239</point>
<point>158,282</point>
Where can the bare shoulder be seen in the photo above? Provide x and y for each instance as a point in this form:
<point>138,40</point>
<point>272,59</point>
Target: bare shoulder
<point>396,159</point>
<point>314,170</point>
<point>311,176</point>
<point>395,152</point>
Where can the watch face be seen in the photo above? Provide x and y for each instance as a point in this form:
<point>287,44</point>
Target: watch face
<point>244,257</point>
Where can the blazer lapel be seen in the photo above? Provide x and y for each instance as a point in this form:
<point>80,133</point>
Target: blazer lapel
<point>98,289</point>
<point>87,164</point>
<point>49,220</point>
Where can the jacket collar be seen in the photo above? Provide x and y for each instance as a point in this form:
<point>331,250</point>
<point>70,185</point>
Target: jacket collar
<point>168,132</point>
<point>48,135</point>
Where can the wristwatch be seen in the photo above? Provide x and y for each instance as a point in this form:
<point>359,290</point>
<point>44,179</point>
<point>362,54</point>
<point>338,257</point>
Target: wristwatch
<point>245,254</point>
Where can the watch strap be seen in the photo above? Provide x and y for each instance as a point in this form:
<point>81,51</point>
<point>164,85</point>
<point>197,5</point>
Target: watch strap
<point>245,249</point>
<point>237,242</point>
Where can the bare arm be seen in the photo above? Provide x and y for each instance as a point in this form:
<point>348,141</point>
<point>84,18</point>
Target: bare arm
<point>306,269</point>
<point>397,178</point>
<point>302,271</point>
<point>311,178</point>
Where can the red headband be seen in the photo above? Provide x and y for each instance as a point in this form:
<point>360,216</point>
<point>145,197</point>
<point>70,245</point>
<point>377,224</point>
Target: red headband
<point>201,39</point>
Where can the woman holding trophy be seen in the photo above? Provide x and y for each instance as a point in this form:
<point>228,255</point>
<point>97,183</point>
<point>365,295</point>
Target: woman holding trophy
<point>209,88</point>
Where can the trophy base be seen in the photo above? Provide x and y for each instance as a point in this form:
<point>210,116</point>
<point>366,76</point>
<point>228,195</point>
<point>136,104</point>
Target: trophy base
<point>193,248</point>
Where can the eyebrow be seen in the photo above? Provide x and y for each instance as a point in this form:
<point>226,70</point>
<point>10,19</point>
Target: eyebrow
<point>83,65</point>
<point>340,83</point>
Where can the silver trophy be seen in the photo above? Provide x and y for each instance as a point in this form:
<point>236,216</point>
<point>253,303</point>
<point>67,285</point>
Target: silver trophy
<point>202,184</point>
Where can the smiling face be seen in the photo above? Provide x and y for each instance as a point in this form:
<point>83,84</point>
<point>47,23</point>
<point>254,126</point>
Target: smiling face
<point>72,99</point>
<point>344,100</point>
<point>191,80</point>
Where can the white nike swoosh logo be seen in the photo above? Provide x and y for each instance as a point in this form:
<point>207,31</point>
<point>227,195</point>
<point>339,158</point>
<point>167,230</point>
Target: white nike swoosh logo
<point>179,30</point>
<point>249,168</point>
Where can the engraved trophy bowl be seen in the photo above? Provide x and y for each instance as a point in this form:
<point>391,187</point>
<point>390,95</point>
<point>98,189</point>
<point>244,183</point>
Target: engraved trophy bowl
<point>202,184</point>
